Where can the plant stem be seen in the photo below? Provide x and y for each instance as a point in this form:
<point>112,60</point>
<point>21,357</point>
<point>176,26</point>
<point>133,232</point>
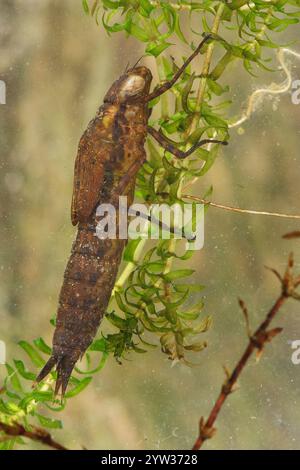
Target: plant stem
<point>129,268</point>
<point>238,209</point>
<point>36,434</point>
<point>205,70</point>
<point>176,6</point>
<point>164,101</point>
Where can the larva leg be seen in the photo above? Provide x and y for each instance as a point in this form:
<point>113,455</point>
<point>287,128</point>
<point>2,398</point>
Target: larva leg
<point>122,188</point>
<point>167,85</point>
<point>126,179</point>
<point>165,143</point>
<point>161,225</point>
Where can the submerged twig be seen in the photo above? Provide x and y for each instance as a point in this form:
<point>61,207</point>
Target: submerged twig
<point>238,209</point>
<point>36,434</point>
<point>257,342</point>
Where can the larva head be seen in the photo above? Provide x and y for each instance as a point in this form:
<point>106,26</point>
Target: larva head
<point>130,87</point>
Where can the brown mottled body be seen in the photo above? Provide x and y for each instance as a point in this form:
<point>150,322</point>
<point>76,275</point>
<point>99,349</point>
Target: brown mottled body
<point>110,153</point>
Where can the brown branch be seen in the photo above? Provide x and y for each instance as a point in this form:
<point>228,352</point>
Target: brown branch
<point>295,234</point>
<point>257,342</point>
<point>37,434</point>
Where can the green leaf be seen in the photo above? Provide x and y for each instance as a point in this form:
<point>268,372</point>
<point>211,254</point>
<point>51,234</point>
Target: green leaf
<point>202,327</point>
<point>221,65</point>
<point>99,345</point>
<point>265,43</point>
<point>85,6</point>
<point>32,353</point>
<point>100,365</point>
<point>191,287</point>
<point>13,378</point>
<point>227,13</point>
<point>36,395</point>
<point>154,157</point>
<point>136,31</point>
<point>156,49</point>
<point>116,26</point>
<point>42,346</point>
<point>155,267</point>
<point>189,316</point>
<point>171,169</point>
<point>146,7</point>
<point>170,18</point>
<point>130,250</point>
<point>8,444</point>
<point>177,29</point>
<point>210,160</point>
<point>179,273</point>
<point>111,4</point>
<point>43,395</point>
<point>281,24</point>
<point>79,388</point>
<point>196,347</point>
<point>114,318</point>
<point>197,134</point>
<point>119,322</point>
<point>49,422</point>
<point>215,121</point>
<point>173,305</point>
<point>185,93</point>
<point>12,395</point>
<point>168,68</point>
<point>23,371</point>
<point>8,408</point>
<point>215,87</point>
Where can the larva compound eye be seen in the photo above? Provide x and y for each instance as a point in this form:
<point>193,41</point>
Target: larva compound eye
<point>132,86</point>
<point>135,83</point>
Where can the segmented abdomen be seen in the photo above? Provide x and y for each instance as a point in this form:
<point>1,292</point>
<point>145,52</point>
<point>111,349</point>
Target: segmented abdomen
<point>88,281</point>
